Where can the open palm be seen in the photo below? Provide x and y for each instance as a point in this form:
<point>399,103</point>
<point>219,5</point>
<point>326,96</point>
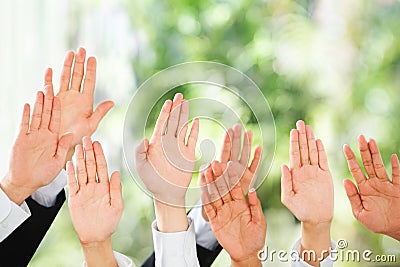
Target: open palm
<point>76,97</point>
<point>95,203</point>
<point>375,201</point>
<point>38,154</point>
<point>307,189</point>
<point>238,225</point>
<point>166,163</point>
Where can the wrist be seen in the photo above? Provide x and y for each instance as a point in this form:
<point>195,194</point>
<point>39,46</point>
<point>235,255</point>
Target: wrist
<point>98,253</point>
<point>316,238</point>
<point>170,219</point>
<point>249,262</point>
<point>15,193</point>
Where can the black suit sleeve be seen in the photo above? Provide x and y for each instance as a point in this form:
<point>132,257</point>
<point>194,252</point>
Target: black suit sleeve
<point>19,247</point>
<point>206,257</point>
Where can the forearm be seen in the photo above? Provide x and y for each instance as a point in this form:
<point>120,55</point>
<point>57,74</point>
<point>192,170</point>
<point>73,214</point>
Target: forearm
<point>315,243</point>
<point>99,254</point>
<point>170,219</point>
<point>251,262</point>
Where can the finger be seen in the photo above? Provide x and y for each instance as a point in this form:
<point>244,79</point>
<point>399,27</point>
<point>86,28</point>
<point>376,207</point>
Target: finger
<point>159,129</point>
<point>366,156</point>
<point>295,161</point>
<point>90,77</point>
<point>78,71</point>
<point>37,112</point>
<point>63,147</point>
<point>226,146</point>
<point>141,151</point>
<point>173,119</point>
<point>183,121</point>
<point>353,165</point>
<point>116,191</point>
<point>101,163</point>
<point>66,71</point>
<point>234,183</point>
<point>89,159</point>
<point>47,107</point>
<point>213,194</point>
<point>322,158</point>
<point>24,125</point>
<point>257,215</point>
<point>72,183</point>
<point>237,135</point>
<point>55,120</point>
<point>256,159</point>
<point>301,127</point>
<point>221,181</point>
<point>377,160</point>
<point>286,185</point>
<point>354,197</point>
<point>395,170</point>
<point>48,77</point>
<point>246,150</point>
<point>194,134</point>
<point>312,146</point>
<point>209,209</point>
<point>99,114</point>
<point>80,165</point>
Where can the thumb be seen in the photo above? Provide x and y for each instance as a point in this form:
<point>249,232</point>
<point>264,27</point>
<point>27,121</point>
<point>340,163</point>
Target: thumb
<point>141,151</point>
<point>257,215</point>
<point>63,147</point>
<point>99,114</point>
<point>286,184</point>
<point>116,191</point>
<point>354,197</point>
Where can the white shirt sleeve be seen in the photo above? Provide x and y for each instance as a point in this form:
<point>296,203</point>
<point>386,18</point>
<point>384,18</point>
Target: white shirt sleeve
<point>298,262</point>
<point>47,195</point>
<point>11,215</point>
<point>204,235</point>
<point>175,249</point>
<point>121,259</point>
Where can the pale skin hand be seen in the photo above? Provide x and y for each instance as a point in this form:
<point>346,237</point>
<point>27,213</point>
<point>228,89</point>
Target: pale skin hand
<point>238,225</point>
<point>231,151</point>
<point>165,164</point>
<point>154,160</point>
<point>375,201</point>
<point>95,203</point>
<point>76,97</point>
<point>307,190</point>
<point>39,152</point>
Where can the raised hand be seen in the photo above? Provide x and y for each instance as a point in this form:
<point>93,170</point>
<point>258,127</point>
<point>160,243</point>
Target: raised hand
<point>76,96</point>
<point>231,151</point>
<point>238,225</point>
<point>39,151</point>
<point>307,189</point>
<point>95,202</point>
<point>375,200</point>
<point>165,164</point>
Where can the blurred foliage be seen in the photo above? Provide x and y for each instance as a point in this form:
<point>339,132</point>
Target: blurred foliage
<point>335,64</point>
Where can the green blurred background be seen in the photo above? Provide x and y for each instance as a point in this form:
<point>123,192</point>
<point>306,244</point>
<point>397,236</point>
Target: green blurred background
<point>335,64</point>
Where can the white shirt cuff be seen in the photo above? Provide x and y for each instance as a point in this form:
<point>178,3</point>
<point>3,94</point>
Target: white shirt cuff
<point>47,195</point>
<point>175,249</point>
<point>11,215</point>
<point>121,259</point>
<point>299,262</point>
<point>204,235</point>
